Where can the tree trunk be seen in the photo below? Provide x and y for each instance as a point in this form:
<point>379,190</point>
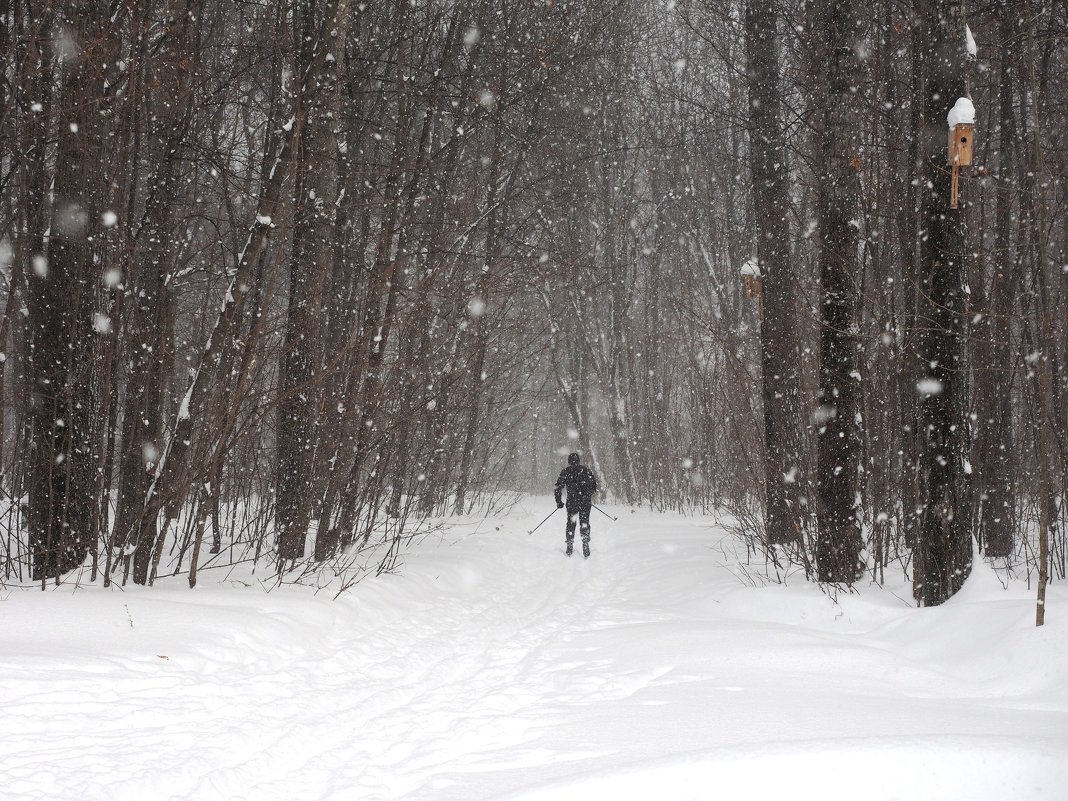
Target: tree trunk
<point>60,297</point>
<point>839,540</point>
<point>993,450</point>
<point>778,356</point>
<point>311,265</point>
<point>943,548</point>
<point>1045,416</point>
<point>148,344</point>
<point>479,323</point>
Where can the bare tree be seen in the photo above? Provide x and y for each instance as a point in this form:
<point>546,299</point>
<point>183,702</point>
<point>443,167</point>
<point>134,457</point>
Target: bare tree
<point>61,298</point>
<point>771,192</point>
<point>943,547</point>
<point>839,420</point>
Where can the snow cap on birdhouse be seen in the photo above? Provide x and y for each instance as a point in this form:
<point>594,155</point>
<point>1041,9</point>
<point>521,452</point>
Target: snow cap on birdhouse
<point>962,113</point>
<point>961,121</point>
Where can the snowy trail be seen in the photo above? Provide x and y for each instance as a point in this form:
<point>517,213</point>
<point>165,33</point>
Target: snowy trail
<point>492,666</point>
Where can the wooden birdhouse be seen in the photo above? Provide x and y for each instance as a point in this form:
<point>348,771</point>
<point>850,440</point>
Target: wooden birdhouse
<point>959,154</point>
<point>751,279</point>
<point>961,142</point>
<point>753,285</point>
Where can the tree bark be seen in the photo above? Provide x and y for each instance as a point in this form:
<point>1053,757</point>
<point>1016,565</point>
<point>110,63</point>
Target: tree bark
<point>1046,418</point>
<point>839,540</point>
<point>993,450</point>
<point>61,500</point>
<point>147,343</point>
<point>778,356</point>
<point>943,550</point>
<point>311,265</point>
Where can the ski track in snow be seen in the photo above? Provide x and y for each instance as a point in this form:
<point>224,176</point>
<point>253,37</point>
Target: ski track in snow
<point>491,666</point>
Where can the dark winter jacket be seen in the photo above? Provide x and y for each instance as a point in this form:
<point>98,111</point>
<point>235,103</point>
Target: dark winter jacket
<point>580,484</point>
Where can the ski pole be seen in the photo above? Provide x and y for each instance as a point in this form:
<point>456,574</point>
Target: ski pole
<point>543,522</point>
<point>602,511</point>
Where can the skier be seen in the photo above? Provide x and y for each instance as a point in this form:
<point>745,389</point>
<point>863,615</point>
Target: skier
<point>580,484</point>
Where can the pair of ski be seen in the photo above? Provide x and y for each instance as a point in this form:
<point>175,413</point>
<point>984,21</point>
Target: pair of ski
<point>585,550</point>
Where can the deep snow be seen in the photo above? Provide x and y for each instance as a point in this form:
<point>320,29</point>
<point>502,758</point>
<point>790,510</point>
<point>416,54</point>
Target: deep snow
<point>491,666</point>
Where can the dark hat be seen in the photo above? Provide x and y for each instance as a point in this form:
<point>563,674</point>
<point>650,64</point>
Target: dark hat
<point>573,459</point>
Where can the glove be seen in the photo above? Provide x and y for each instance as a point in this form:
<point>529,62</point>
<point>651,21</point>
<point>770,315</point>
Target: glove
<point>559,504</point>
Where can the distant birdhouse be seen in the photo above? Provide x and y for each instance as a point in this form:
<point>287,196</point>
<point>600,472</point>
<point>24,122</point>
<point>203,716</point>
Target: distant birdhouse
<point>751,278</point>
<point>961,142</point>
<point>753,285</point>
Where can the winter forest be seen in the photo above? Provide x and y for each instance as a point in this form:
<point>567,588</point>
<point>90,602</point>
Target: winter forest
<point>290,268</point>
<point>294,289</point>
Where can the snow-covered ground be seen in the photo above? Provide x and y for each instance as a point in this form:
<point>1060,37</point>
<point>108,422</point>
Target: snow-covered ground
<point>491,666</point>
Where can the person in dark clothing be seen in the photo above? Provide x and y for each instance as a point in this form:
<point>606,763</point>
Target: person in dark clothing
<point>580,484</point>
